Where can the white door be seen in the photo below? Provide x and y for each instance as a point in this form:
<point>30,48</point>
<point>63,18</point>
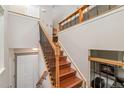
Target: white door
<point>27,71</point>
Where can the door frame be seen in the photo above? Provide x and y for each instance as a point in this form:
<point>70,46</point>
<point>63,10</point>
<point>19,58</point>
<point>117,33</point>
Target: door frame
<point>21,54</point>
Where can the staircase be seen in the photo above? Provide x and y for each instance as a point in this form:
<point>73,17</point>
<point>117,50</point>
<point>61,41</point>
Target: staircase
<point>68,78</point>
<point>60,70</point>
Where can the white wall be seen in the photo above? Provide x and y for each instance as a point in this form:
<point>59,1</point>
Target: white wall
<point>1,39</point>
<point>11,68</point>
<point>23,31</point>
<point>60,12</point>
<point>19,32</point>
<point>51,15</point>
<point>46,18</point>
<point>4,76</point>
<point>105,32</point>
<point>31,10</point>
<point>34,11</point>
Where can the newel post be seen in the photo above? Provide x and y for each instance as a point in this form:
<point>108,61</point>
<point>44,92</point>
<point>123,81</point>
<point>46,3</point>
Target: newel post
<point>80,16</point>
<point>57,54</point>
<point>57,65</point>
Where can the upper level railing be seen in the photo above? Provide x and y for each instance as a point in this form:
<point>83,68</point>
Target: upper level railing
<point>74,18</point>
<point>51,54</point>
<point>84,13</point>
<point>108,66</point>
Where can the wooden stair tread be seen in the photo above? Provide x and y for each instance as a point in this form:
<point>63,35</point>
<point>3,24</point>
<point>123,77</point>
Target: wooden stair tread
<point>70,82</point>
<point>62,56</point>
<point>66,71</point>
<point>63,63</point>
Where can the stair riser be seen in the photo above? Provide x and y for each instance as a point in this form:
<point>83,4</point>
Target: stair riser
<point>63,58</point>
<point>49,54</point>
<point>65,66</point>
<point>60,67</point>
<point>77,85</point>
<point>61,53</point>
<point>50,61</point>
<point>67,76</point>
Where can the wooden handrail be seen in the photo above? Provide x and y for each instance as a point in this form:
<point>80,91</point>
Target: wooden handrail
<point>106,61</point>
<point>43,76</point>
<point>55,47</point>
<point>57,65</point>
